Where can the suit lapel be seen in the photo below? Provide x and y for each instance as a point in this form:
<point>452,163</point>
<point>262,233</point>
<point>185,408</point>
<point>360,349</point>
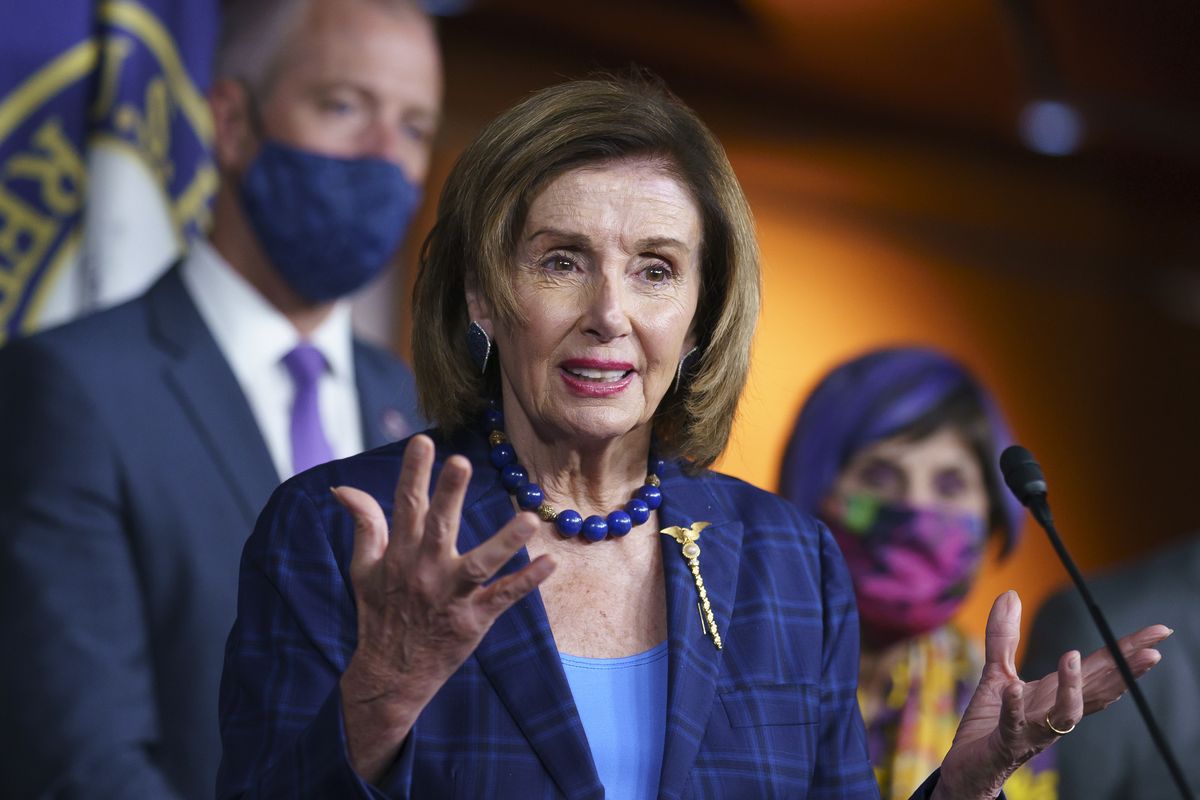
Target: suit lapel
<point>520,658</point>
<point>694,661</point>
<point>382,421</point>
<point>209,394</point>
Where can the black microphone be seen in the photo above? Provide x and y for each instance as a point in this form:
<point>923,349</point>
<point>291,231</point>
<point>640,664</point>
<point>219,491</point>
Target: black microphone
<point>1025,480</point>
<point>1022,473</point>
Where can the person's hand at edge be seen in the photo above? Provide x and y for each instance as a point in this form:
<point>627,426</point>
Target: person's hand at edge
<point>1009,721</point>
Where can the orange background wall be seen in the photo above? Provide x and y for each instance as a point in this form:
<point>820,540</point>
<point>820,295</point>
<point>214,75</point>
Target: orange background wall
<point>1092,378</point>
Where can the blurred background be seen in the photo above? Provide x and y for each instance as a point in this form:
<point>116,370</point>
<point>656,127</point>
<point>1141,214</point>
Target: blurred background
<point>1016,182</point>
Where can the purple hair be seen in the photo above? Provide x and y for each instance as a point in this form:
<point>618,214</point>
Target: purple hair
<point>877,396</point>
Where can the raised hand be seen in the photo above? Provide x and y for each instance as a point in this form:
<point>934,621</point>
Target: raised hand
<point>1009,721</point>
<point>422,607</point>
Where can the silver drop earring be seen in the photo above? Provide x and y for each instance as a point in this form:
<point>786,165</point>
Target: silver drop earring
<point>685,365</point>
<point>479,345</point>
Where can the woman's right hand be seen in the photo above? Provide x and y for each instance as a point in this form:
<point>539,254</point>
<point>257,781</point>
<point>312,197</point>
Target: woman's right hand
<point>422,607</point>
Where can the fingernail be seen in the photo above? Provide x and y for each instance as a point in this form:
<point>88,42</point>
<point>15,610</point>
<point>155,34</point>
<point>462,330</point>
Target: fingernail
<point>333,490</point>
<point>1074,661</point>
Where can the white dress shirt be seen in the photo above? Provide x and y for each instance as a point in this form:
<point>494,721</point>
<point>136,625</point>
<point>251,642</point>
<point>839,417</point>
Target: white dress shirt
<point>254,337</point>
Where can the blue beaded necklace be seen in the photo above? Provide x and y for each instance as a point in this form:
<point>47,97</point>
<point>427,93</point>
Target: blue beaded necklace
<point>569,522</point>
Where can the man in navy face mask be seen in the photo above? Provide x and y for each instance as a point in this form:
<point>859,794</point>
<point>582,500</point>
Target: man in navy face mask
<point>138,445</point>
<point>322,149</point>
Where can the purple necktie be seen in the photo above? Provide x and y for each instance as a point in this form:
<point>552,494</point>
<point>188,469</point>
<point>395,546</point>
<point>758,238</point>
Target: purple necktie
<point>309,445</point>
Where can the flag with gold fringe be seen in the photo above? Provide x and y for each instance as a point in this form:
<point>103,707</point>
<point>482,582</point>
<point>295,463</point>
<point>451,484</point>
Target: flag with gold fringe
<point>105,136</point>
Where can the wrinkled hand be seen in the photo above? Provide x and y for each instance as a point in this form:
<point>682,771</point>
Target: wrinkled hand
<point>1005,723</point>
<point>422,607</point>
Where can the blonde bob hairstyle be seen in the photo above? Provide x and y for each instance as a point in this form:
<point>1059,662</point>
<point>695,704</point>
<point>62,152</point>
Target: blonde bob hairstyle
<point>482,212</point>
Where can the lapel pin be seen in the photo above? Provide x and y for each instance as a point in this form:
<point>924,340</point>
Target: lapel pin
<point>689,548</point>
<point>394,424</point>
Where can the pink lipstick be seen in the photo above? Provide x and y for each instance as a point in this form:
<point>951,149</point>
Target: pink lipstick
<point>593,377</point>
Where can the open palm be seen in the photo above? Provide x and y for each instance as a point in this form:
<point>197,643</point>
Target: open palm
<point>1008,721</point>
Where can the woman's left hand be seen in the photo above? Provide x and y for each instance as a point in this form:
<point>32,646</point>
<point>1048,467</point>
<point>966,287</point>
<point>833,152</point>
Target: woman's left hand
<point>1008,721</point>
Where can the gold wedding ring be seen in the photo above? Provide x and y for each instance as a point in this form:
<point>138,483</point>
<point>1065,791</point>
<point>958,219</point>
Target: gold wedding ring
<point>1050,725</point>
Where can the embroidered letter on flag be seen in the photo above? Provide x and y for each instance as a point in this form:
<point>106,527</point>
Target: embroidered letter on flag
<point>105,167</point>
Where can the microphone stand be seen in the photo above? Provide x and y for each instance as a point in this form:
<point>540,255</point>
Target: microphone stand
<point>1041,512</point>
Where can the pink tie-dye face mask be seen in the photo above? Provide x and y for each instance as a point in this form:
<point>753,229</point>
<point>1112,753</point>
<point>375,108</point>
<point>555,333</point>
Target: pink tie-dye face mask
<point>911,566</point>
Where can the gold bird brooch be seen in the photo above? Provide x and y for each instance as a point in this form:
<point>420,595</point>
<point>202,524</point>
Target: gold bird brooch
<point>690,549</point>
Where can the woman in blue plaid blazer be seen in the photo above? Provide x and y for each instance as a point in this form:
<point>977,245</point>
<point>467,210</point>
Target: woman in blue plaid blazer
<point>582,322</point>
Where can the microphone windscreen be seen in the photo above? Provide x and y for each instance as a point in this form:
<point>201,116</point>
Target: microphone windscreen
<point>1022,473</point>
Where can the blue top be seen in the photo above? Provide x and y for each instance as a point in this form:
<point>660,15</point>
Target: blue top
<point>622,704</point>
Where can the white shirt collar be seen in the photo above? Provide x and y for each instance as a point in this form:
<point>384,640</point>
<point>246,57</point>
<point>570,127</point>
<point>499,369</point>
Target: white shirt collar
<point>251,333</point>
<point>254,336</point>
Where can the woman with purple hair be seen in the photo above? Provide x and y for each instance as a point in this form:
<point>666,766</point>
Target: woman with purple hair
<point>896,452</point>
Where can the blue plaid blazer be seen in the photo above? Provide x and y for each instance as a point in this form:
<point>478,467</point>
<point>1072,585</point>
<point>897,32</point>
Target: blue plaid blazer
<point>774,714</point>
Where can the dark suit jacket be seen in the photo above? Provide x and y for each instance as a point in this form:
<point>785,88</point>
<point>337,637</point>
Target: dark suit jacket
<point>131,472</point>
<point>772,715</point>
<point>1111,755</point>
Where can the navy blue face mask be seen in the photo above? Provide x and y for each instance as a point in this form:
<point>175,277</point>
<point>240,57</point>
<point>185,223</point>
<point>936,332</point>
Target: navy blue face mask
<point>329,225</point>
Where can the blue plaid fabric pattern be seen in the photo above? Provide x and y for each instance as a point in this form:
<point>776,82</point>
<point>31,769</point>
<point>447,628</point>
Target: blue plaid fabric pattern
<point>774,714</point>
